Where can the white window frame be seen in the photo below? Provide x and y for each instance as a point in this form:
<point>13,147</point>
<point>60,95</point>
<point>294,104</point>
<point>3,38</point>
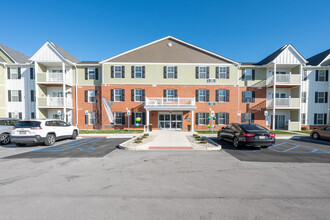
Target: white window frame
<point>138,70</point>
<point>246,117</point>
<point>220,118</point>
<point>91,96</point>
<point>91,118</point>
<point>318,118</point>
<point>201,95</point>
<point>248,74</point>
<point>15,115</point>
<point>203,122</point>
<point>136,95</point>
<point>91,72</point>
<point>250,92</point>
<point>204,68</point>
<point>170,95</point>
<point>138,114</point>
<point>323,75</point>
<point>221,95</point>
<point>14,75</point>
<point>119,72</point>
<point>118,121</point>
<point>303,118</point>
<point>170,72</point>
<point>303,97</point>
<point>322,98</point>
<point>116,95</point>
<point>14,98</point>
<point>223,72</point>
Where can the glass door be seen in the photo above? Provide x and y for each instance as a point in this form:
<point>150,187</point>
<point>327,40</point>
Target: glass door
<point>171,121</point>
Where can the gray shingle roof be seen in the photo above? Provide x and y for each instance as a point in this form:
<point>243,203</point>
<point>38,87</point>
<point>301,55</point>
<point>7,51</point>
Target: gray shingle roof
<point>14,54</point>
<point>65,54</point>
<point>318,58</point>
<point>272,56</point>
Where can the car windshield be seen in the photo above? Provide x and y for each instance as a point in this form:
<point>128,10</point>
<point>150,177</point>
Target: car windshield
<point>252,127</point>
<point>27,124</point>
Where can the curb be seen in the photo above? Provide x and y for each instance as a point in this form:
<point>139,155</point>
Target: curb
<point>218,146</point>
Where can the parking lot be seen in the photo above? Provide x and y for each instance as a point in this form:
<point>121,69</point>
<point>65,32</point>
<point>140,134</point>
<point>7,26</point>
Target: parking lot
<point>83,147</point>
<point>304,150</point>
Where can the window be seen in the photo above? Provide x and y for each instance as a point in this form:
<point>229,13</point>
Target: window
<point>280,95</point>
<point>305,75</point>
<point>91,96</point>
<point>57,94</point>
<point>170,95</point>
<point>118,72</point>
<point>138,115</point>
<point>223,72</point>
<point>15,95</point>
<point>91,118</point>
<point>202,95</point>
<point>202,118</point>
<point>118,118</point>
<point>248,96</point>
<point>31,73</point>
<point>222,95</point>
<point>57,71</point>
<point>320,75</point>
<point>321,97</point>
<point>14,73</point>
<point>138,95</point>
<point>56,116</point>
<point>320,118</point>
<point>247,117</point>
<point>17,115</point>
<point>223,118</point>
<point>118,95</point>
<point>32,96</point>
<point>91,73</point>
<point>170,72</point>
<point>248,74</point>
<point>33,116</point>
<point>303,118</point>
<point>138,72</point>
<point>303,97</point>
<point>202,72</point>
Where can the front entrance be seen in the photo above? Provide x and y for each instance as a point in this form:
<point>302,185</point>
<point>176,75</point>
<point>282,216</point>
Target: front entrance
<point>279,122</point>
<point>170,120</point>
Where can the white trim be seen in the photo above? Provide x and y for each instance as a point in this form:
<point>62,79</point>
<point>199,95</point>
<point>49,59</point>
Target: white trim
<point>171,64</point>
<point>173,38</point>
<point>290,45</point>
<point>8,55</point>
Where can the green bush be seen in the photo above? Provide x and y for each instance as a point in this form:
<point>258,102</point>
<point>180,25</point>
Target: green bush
<point>138,141</point>
<point>146,135</point>
<point>204,142</point>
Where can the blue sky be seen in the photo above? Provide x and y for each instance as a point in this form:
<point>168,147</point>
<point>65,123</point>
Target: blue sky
<point>96,30</point>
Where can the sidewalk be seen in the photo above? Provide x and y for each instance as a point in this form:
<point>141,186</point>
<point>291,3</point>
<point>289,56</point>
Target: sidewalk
<point>109,135</point>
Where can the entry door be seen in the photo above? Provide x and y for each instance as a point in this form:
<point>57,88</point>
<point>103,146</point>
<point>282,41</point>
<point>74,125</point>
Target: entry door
<point>170,121</point>
<point>279,121</point>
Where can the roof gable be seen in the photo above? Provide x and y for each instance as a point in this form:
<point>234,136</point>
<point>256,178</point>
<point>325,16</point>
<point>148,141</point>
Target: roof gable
<point>13,56</point>
<point>169,50</point>
<point>318,59</point>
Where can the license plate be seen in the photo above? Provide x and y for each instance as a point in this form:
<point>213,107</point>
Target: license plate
<point>262,137</point>
<point>22,132</point>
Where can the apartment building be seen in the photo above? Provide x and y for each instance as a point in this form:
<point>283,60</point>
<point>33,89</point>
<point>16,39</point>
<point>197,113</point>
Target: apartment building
<point>170,84</point>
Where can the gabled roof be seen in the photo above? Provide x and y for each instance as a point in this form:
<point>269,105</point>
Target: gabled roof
<point>274,55</point>
<point>2,60</point>
<point>318,58</point>
<point>65,53</point>
<point>14,55</point>
<point>157,53</point>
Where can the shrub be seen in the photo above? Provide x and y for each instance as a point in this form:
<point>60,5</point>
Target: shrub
<point>204,142</point>
<point>138,141</point>
<point>304,128</point>
<point>146,135</point>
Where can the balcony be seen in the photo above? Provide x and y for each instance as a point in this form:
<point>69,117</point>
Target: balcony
<point>54,78</point>
<point>54,102</point>
<point>283,103</point>
<point>170,104</point>
<point>284,80</point>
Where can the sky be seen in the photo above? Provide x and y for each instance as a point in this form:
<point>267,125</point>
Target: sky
<point>244,31</point>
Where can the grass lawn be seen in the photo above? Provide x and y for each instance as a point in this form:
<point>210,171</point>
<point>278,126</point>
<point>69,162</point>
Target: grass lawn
<point>282,132</point>
<point>304,132</point>
<point>207,132</point>
<point>110,131</point>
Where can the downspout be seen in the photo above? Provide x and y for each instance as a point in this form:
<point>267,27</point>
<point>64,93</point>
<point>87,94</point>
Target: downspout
<point>238,98</point>
<point>76,96</point>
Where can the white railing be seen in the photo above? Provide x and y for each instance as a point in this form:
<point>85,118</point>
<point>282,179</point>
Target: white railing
<point>161,101</point>
<point>284,79</point>
<point>283,103</point>
<point>54,77</point>
<point>55,101</point>
<point>68,102</point>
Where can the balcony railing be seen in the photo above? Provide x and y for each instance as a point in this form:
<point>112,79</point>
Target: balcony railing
<point>54,78</point>
<point>284,79</point>
<point>161,101</point>
<point>283,103</point>
<point>54,102</point>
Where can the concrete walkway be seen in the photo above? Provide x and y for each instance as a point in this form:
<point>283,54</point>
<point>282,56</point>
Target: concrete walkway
<point>170,140</point>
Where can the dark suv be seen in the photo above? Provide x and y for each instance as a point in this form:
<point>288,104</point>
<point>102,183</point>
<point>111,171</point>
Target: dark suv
<point>247,135</point>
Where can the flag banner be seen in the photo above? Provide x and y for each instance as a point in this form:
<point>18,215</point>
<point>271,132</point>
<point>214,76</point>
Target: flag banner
<point>108,109</point>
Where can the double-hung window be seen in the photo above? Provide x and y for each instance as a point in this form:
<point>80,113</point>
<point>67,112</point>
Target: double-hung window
<point>170,95</point>
<point>223,72</point>
<point>118,72</point>
<point>303,118</point>
<point>138,72</point>
<point>14,73</point>
<point>247,118</point>
<point>138,95</point>
<point>305,75</point>
<point>321,97</point>
<point>91,95</point>
<point>248,74</point>
<point>170,72</point>
<point>303,97</point>
<point>138,115</point>
<point>91,73</point>
<point>202,118</point>
<point>202,95</point>
<point>321,75</point>
<point>203,72</point>
<point>320,118</point>
<point>92,118</point>
<point>247,97</point>
<point>15,95</point>
<point>222,118</point>
<point>222,95</point>
<point>118,118</point>
<point>118,95</point>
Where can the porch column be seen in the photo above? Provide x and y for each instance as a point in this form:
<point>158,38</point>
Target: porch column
<point>64,98</point>
<point>148,121</point>
<point>192,120</point>
<point>274,95</point>
<point>300,94</point>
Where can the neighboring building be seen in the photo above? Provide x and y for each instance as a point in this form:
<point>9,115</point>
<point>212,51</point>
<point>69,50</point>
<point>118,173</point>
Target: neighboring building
<point>168,83</point>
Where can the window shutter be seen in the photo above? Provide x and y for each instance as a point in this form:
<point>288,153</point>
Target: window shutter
<point>86,95</point>
<point>316,75</point>
<point>197,98</point>
<point>143,95</point>
<point>243,74</point>
<point>32,96</point>
<point>207,95</point>
<point>175,93</point>
<point>123,118</point>
<point>207,120</point>
<point>164,93</point>
<point>227,73</point>
<point>252,117</point>
<point>96,73</point>
<point>20,116</point>
<point>112,72</point>
<point>327,75</point>
<point>123,71</point>
<point>8,72</point>
<point>112,95</point>
<point>133,118</point>
<point>326,97</point>
<point>217,95</point>
<point>32,115</point>
<point>207,72</point>
<point>19,72</point>
<point>165,72</point>
<point>227,118</point>
<point>143,118</point>
<point>253,96</point>
<point>9,95</point>
<point>325,118</point>
<point>227,95</point>
<point>316,97</point>
<point>132,72</point>
<point>143,72</point>
<point>217,72</point>
<point>19,95</point>
<point>175,72</point>
<point>86,119</point>
<point>132,95</point>
<point>315,118</point>
<point>253,74</point>
<point>197,72</point>
<point>123,95</point>
<point>31,73</point>
<point>86,73</point>
<point>196,122</point>
<point>9,114</point>
<point>243,96</point>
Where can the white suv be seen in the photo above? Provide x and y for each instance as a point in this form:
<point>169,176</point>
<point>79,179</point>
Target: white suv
<point>46,131</point>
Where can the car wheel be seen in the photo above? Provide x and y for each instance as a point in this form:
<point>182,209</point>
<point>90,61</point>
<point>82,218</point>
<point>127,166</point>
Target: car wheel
<point>74,135</point>
<point>219,137</point>
<point>50,139</point>
<point>20,145</point>
<point>5,139</point>
<point>236,142</point>
<point>315,136</point>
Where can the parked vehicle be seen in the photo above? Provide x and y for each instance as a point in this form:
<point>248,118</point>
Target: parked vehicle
<point>247,135</point>
<point>46,131</point>
<point>321,133</point>
<point>6,125</point>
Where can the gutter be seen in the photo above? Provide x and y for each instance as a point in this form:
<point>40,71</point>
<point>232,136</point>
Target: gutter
<point>76,96</point>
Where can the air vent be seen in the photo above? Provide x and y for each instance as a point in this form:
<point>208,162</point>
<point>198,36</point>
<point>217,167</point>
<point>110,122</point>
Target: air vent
<point>212,80</point>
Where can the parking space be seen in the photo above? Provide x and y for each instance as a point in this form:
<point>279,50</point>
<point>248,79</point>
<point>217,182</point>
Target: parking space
<point>304,150</point>
<point>85,147</point>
